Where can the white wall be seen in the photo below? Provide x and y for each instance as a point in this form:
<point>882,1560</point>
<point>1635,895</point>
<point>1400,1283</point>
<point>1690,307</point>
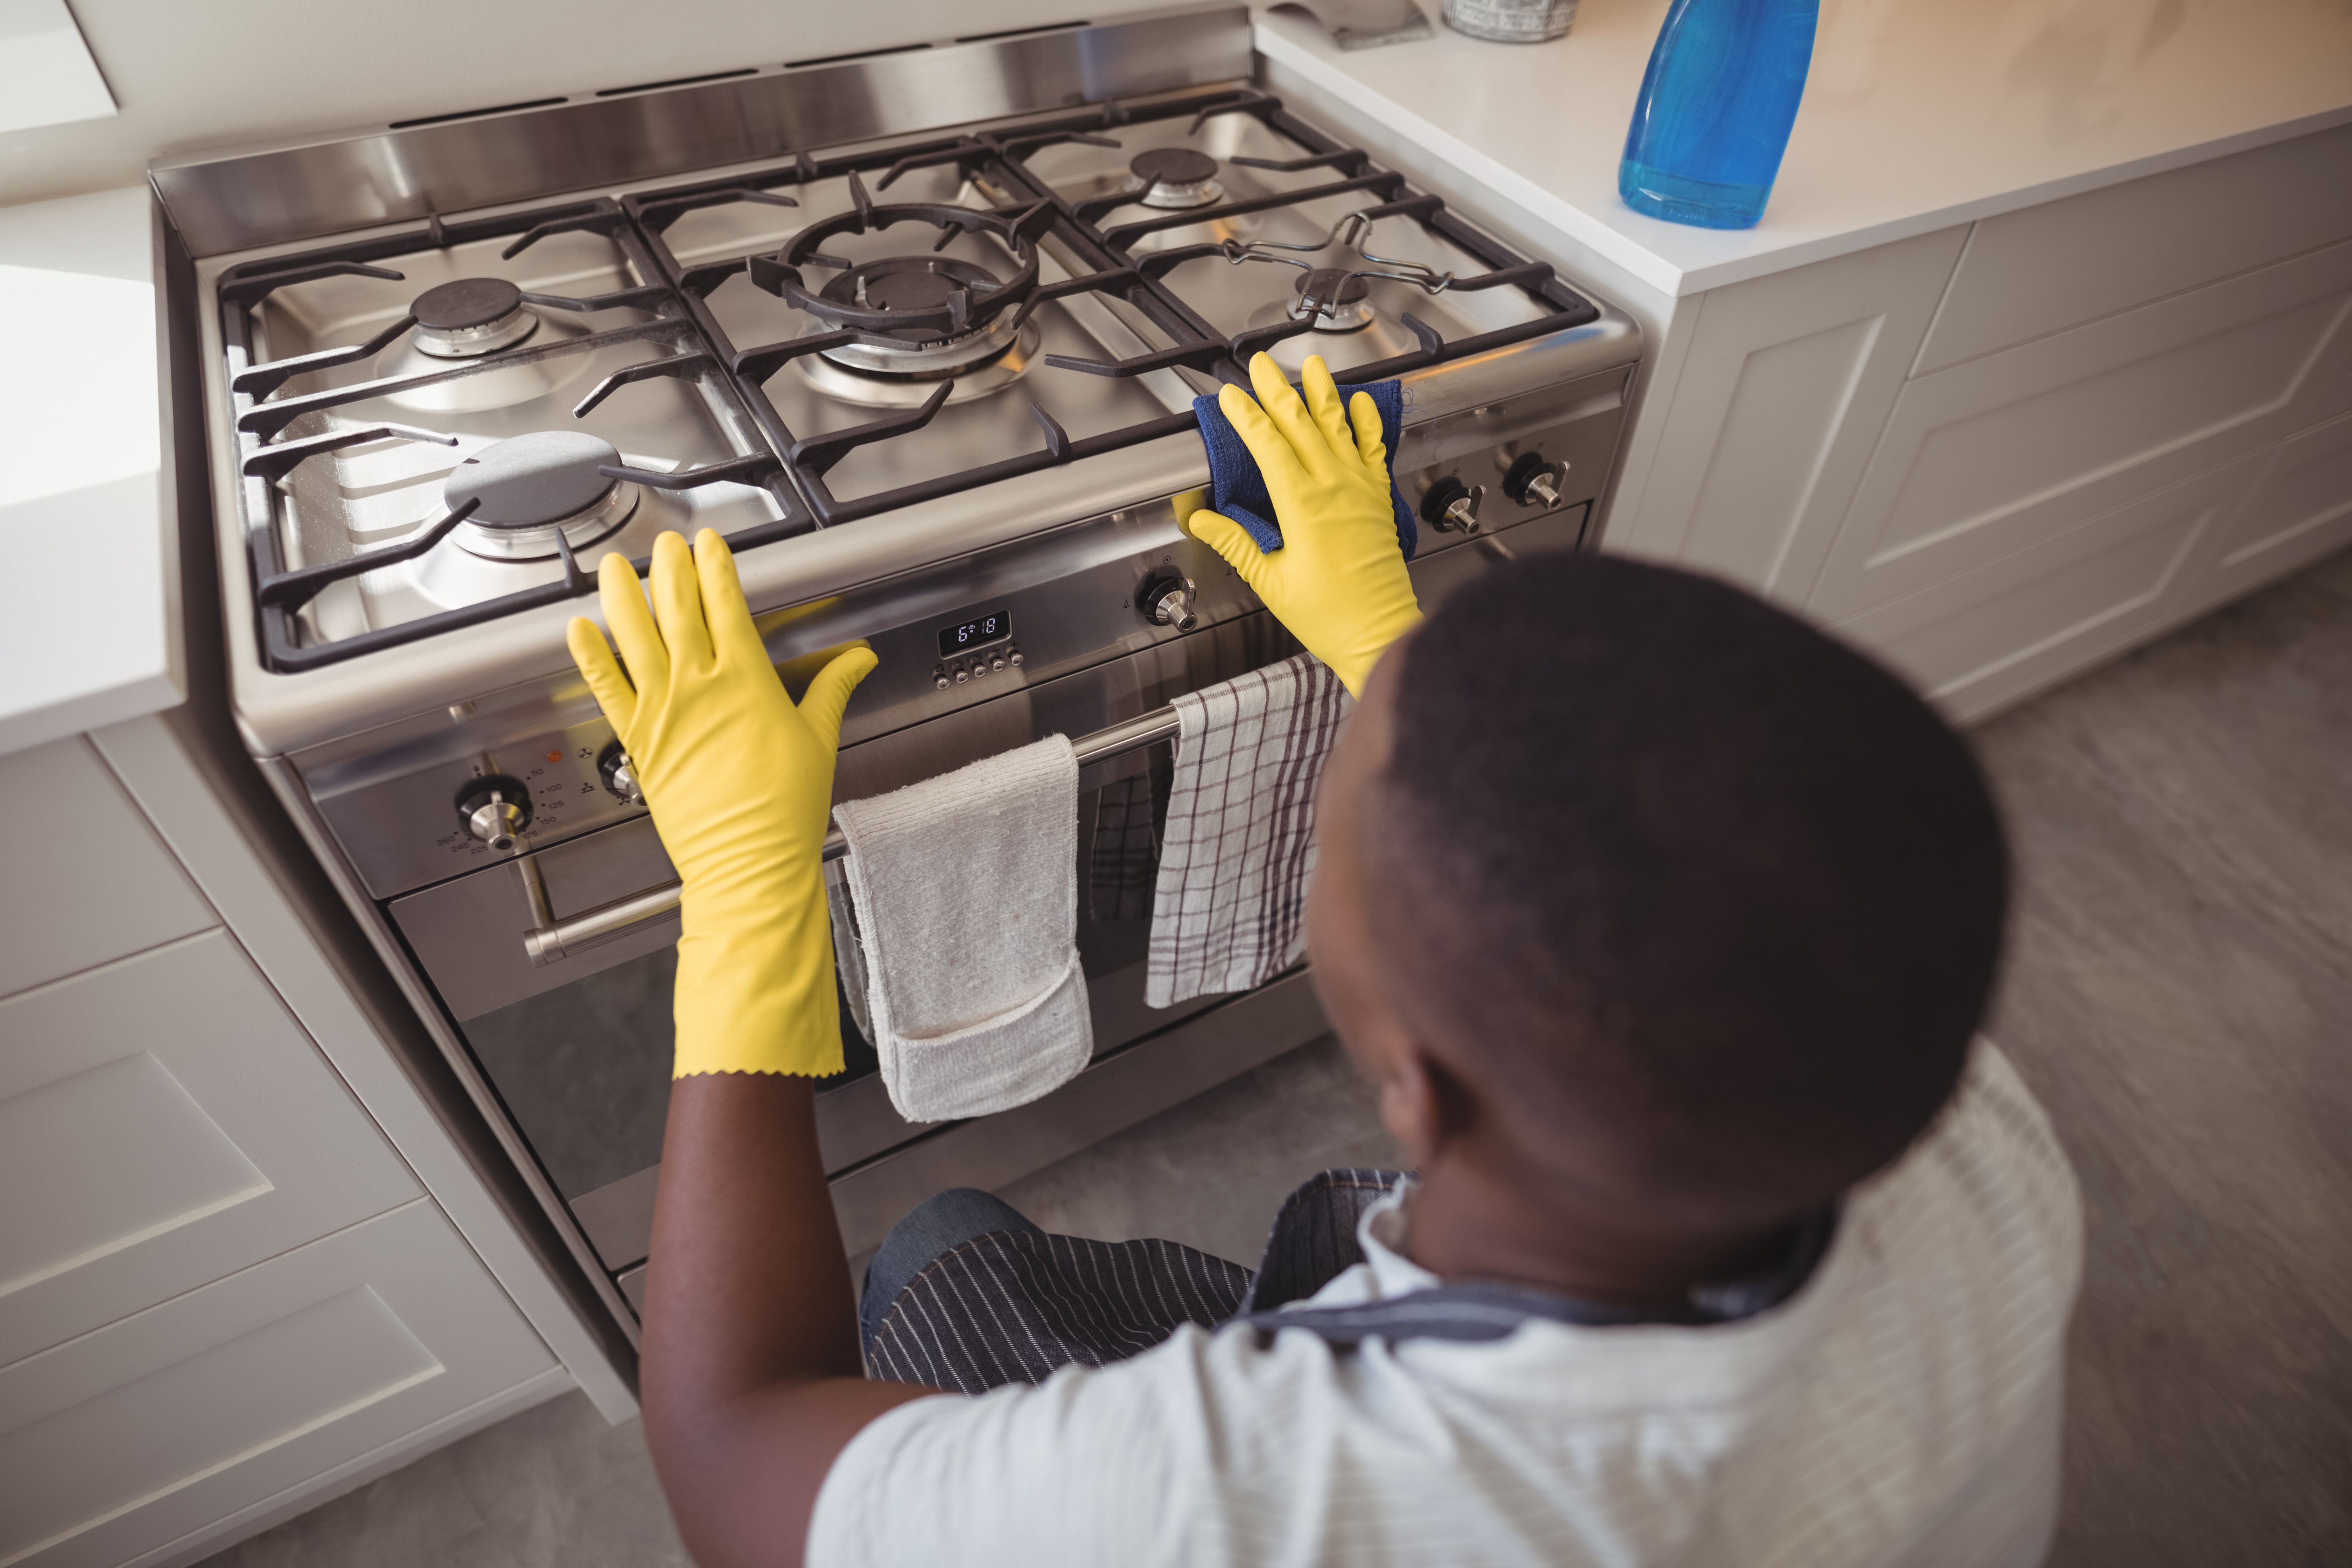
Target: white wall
<point>195,74</point>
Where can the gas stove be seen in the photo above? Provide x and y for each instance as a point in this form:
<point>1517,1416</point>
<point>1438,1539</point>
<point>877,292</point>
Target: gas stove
<point>920,335</point>
<point>779,349</point>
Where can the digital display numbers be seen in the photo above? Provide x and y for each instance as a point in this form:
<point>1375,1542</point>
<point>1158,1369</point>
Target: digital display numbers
<point>965,636</point>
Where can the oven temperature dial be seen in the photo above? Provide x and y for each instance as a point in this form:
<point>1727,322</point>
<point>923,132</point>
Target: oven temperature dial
<point>495,809</point>
<point>618,776</point>
<point>1166,600</point>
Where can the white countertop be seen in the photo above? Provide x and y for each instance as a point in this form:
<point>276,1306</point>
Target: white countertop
<point>1918,114</point>
<point>90,632</point>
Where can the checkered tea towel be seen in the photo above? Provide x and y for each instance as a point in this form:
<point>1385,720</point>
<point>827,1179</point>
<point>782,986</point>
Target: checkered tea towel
<point>1230,909</point>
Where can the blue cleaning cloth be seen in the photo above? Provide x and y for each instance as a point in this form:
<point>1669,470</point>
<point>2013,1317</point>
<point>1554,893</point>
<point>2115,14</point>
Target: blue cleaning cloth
<point>1238,490</point>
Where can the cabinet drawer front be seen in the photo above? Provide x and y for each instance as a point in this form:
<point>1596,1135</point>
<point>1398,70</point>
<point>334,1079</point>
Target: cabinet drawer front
<point>2030,273</point>
<point>2301,509</point>
<point>163,1123</point>
<point>1995,455</point>
<point>131,1437</point>
<point>88,879</point>
<point>1983,637</point>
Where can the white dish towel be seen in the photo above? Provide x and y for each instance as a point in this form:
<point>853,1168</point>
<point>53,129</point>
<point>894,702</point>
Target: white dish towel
<point>1229,911</point>
<point>966,894</point>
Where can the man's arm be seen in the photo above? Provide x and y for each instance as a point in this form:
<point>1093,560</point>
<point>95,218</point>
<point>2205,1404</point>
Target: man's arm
<point>751,1377</point>
<point>751,1372</point>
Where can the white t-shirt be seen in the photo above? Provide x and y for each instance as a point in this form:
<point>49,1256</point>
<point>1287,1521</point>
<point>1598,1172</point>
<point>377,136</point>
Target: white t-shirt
<point>1902,1408</point>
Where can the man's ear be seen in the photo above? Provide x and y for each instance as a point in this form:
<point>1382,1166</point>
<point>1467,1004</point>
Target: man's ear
<point>1424,1107</point>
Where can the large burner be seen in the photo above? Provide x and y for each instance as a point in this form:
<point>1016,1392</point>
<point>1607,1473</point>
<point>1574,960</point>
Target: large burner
<point>471,316</point>
<point>530,486</point>
<point>917,286</point>
<point>1175,178</point>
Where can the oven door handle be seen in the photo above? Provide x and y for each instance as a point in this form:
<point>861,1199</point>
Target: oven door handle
<point>551,940</point>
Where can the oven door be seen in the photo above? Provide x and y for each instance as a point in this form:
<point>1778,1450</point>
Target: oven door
<point>578,1047</point>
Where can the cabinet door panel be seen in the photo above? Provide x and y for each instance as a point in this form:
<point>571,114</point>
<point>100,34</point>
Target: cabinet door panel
<point>1785,389</point>
<point>129,1438</point>
<point>1998,454</point>
<point>2027,274</point>
<point>1983,637</point>
<point>87,880</point>
<point>163,1122</point>
<point>2301,509</point>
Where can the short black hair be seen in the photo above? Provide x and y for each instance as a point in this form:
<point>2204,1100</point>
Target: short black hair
<point>1671,863</point>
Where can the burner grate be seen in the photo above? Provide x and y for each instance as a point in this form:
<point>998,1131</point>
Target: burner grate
<point>263,415</point>
<point>1114,267</point>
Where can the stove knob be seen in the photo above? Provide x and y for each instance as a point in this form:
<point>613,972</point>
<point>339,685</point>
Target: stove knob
<point>619,776</point>
<point>996,663</point>
<point>1166,600</point>
<point>1451,506</point>
<point>1531,481</point>
<point>1015,657</point>
<point>962,676</point>
<point>940,678</point>
<point>495,809</point>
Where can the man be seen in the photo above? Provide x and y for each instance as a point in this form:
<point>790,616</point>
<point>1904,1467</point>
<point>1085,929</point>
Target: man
<point>1660,923</point>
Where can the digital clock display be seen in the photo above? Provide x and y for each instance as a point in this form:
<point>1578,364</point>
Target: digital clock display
<point>979,632</point>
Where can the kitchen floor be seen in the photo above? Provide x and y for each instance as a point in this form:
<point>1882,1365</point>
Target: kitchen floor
<point>2178,994</point>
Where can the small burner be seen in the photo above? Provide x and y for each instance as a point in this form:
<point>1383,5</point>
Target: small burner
<point>528,486</point>
<point>470,317</point>
<point>1334,301</point>
<point>1175,178</point>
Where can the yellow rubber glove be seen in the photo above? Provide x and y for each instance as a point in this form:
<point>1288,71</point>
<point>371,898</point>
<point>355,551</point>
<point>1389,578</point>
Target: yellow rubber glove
<point>1338,582</point>
<point>739,783</point>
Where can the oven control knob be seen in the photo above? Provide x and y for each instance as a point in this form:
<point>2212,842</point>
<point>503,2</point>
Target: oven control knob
<point>1451,507</point>
<point>1014,656</point>
<point>495,809</point>
<point>1531,481</point>
<point>619,776</point>
<point>1166,600</point>
<point>940,678</point>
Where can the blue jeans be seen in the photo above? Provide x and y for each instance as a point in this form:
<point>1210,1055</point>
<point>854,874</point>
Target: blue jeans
<point>939,1224</point>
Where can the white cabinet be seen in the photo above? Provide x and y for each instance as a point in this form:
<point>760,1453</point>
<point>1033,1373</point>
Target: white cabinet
<point>145,1441</point>
<point>69,829</point>
<point>163,1123</point>
<point>223,1292</point>
<point>1998,454</point>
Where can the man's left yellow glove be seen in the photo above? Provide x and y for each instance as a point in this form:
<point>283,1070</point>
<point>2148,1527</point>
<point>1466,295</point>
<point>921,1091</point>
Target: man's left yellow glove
<point>739,783</point>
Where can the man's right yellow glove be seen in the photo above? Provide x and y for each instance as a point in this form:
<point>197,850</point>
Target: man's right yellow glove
<point>739,778</point>
<point>1338,582</point>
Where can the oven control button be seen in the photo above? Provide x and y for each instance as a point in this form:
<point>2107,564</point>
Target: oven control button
<point>962,676</point>
<point>619,776</point>
<point>996,663</point>
<point>1531,481</point>
<point>940,676</point>
<point>495,809</point>
<point>1014,659</point>
<point>1166,600</point>
<point>1451,506</point>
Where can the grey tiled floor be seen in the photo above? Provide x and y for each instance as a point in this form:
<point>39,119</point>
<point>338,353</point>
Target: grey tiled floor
<point>2179,994</point>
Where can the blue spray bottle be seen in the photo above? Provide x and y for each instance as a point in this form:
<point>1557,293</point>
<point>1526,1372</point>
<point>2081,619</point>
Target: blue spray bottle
<point>1715,109</point>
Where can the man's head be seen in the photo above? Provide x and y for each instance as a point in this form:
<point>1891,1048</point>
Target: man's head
<point>1669,901</point>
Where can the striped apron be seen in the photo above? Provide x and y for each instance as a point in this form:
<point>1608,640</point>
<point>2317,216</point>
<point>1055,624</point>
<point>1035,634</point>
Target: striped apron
<point>1017,1305</point>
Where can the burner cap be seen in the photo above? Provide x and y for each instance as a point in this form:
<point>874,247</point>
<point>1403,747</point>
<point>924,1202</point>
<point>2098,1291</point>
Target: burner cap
<point>1173,166</point>
<point>531,481</point>
<point>1352,287</point>
<point>910,284</point>
<point>467,304</point>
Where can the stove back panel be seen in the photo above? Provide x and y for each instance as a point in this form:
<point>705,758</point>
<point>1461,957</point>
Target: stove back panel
<point>357,179</point>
